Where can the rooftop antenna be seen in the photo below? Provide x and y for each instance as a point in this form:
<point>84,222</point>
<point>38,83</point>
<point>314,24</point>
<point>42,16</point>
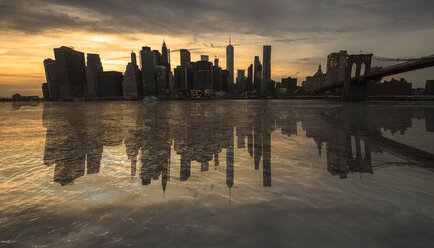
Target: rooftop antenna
<point>229,37</point>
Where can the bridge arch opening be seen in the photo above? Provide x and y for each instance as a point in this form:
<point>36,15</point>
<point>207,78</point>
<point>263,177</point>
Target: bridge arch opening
<point>362,69</point>
<point>353,70</point>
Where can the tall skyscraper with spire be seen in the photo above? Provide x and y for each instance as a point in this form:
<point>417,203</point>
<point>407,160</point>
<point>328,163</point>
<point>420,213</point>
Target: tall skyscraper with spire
<point>164,54</point>
<point>165,61</point>
<point>230,61</point>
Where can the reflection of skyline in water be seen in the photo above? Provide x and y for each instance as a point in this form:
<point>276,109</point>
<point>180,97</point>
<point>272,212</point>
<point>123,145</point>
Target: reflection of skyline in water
<point>200,131</point>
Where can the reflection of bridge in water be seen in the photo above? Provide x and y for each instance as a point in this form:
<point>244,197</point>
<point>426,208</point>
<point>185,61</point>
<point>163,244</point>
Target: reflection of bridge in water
<point>356,72</point>
<point>200,131</point>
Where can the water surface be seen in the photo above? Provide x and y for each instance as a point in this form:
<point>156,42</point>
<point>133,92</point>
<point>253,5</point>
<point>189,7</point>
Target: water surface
<point>216,174</point>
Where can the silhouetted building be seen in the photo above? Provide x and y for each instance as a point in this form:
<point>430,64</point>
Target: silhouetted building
<point>94,67</point>
<point>160,80</point>
<point>289,84</point>
<point>217,76</point>
<point>66,75</point>
<point>52,76</point>
<point>132,83</point>
<point>183,78</point>
<point>226,84</point>
<point>241,81</point>
<point>202,75</point>
<point>165,61</point>
<point>315,81</point>
<point>157,57</point>
<point>429,87</point>
<point>164,54</point>
<point>257,75</point>
<point>266,73</point>
<point>249,79</point>
<point>133,58</point>
<point>230,62</point>
<point>72,71</point>
<point>336,67</point>
<point>111,83</point>
<point>147,62</point>
<point>185,57</point>
<point>392,87</point>
<point>45,91</point>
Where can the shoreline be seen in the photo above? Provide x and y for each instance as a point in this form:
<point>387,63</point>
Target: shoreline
<point>103,99</point>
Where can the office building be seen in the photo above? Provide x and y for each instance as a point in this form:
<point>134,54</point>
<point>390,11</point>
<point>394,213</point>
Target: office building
<point>249,79</point>
<point>226,84</point>
<point>52,78</point>
<point>111,83</point>
<point>266,72</point>
<point>230,62</point>
<point>290,84</point>
<point>94,67</point>
<point>160,80</point>
<point>241,81</point>
<point>202,75</point>
<point>217,76</point>
<point>315,81</point>
<point>257,75</point>
<point>183,78</point>
<point>132,85</point>
<point>147,62</point>
<point>185,57</point>
<point>45,91</point>
<point>66,75</point>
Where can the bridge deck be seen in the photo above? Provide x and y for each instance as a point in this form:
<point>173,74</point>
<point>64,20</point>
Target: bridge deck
<point>388,71</point>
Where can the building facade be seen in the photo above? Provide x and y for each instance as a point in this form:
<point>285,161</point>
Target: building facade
<point>266,72</point>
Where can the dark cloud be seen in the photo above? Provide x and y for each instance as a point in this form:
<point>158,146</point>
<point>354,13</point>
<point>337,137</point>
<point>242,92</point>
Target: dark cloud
<point>268,18</point>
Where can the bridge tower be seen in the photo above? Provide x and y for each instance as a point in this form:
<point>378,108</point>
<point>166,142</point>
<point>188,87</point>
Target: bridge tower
<point>357,66</point>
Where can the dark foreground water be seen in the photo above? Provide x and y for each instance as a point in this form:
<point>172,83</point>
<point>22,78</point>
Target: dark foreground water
<point>216,174</point>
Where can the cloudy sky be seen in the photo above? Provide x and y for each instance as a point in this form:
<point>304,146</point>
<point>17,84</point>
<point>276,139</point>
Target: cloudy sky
<point>301,32</point>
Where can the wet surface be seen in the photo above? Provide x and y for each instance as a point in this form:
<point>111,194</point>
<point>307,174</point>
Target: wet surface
<point>217,174</point>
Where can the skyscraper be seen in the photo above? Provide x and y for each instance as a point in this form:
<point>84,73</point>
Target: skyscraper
<point>160,80</point>
<point>230,61</point>
<point>266,73</point>
<point>148,68</point>
<point>132,84</point>
<point>249,79</point>
<point>111,83</point>
<point>165,61</point>
<point>133,58</point>
<point>217,76</point>
<point>241,81</point>
<point>164,54</point>
<point>202,75</point>
<point>185,57</point>
<point>94,67</point>
<point>52,78</point>
<point>257,75</point>
<point>66,75</point>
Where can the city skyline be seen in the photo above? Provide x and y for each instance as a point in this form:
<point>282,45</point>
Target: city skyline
<point>301,44</point>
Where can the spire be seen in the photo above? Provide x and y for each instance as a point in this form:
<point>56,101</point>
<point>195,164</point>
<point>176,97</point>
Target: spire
<point>229,37</point>
<point>164,41</point>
